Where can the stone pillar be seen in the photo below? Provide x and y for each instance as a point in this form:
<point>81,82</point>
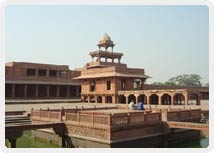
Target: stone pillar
<point>12,136</point>
<point>89,100</point>
<point>37,91</point>
<point>47,73</point>
<point>82,98</point>
<point>136,97</point>
<point>13,90</point>
<point>198,100</point>
<point>63,142</point>
<point>147,99</point>
<point>57,91</point>
<point>103,99</point>
<point>95,97</point>
<point>159,99</point>
<point>186,99</point>
<point>172,99</point>
<point>116,99</point>
<point>12,143</point>
<point>67,91</point>
<point>47,90</point>
<point>57,73</point>
<point>37,72</point>
<point>25,91</point>
<point>127,99</point>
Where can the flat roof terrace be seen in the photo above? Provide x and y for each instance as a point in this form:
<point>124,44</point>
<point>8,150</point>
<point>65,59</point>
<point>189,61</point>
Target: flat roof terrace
<point>114,111</point>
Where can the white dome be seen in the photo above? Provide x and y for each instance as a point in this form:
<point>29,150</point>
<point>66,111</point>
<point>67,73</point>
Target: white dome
<point>106,37</point>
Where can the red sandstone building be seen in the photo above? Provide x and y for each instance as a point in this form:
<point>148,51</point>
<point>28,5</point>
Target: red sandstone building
<point>104,80</point>
<point>107,80</point>
<point>31,80</point>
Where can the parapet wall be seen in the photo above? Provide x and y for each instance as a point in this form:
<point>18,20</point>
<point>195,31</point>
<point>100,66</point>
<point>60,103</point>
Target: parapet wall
<point>184,115</point>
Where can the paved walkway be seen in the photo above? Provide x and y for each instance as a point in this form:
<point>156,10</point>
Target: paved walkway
<point>59,104</point>
<point>27,107</point>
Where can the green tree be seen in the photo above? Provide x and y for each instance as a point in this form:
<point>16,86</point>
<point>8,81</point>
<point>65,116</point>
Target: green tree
<point>157,83</point>
<point>169,83</point>
<point>186,80</point>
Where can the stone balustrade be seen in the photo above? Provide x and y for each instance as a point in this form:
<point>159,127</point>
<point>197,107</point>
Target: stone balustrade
<point>183,115</point>
<point>108,119</point>
<point>87,118</point>
<point>58,114</point>
<point>187,125</point>
<point>46,115</point>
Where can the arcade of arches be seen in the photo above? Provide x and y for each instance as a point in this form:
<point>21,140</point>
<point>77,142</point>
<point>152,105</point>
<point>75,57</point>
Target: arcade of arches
<point>159,98</point>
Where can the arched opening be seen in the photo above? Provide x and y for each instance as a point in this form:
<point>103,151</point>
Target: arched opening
<point>109,60</point>
<point>178,99</point>
<point>194,99</point>
<point>142,98</point>
<point>108,99</point>
<point>99,99</point>
<point>132,98</point>
<point>153,99</point>
<point>122,99</point>
<point>101,59</point>
<point>166,99</point>
<point>137,84</point>
<point>84,99</point>
<point>92,99</point>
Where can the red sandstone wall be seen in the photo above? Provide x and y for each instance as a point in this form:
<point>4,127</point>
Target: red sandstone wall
<point>101,86</point>
<point>17,71</point>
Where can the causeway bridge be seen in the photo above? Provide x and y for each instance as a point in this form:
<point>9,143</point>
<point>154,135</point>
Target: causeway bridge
<point>12,132</point>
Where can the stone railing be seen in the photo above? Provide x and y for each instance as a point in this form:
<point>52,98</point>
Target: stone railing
<point>108,119</point>
<point>55,115</point>
<point>183,115</point>
<point>187,125</point>
<point>46,115</point>
<point>87,118</point>
<point>135,117</point>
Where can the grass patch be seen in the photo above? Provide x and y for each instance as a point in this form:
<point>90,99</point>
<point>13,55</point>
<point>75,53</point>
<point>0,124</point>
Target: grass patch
<point>26,141</point>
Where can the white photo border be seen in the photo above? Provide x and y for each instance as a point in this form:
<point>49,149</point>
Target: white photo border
<point>6,3</point>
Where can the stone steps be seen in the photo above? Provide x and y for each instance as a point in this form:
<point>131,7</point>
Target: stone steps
<point>17,120</point>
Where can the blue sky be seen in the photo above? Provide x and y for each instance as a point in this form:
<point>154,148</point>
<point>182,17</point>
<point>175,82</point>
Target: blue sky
<point>164,40</point>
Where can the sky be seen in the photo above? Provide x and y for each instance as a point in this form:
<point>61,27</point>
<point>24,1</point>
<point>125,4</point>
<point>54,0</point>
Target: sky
<point>165,41</point>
